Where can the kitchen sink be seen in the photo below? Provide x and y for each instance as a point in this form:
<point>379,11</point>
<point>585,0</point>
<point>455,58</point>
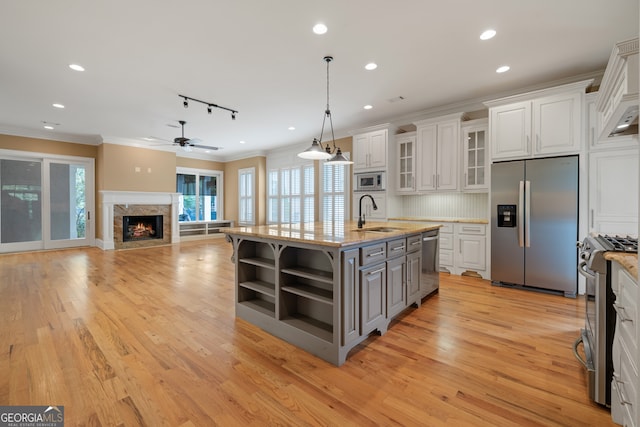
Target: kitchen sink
<point>379,229</point>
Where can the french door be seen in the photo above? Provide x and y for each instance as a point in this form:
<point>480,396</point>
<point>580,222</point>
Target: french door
<point>46,203</point>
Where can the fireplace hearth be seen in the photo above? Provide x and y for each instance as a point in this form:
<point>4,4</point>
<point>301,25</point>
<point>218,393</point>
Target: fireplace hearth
<point>141,227</point>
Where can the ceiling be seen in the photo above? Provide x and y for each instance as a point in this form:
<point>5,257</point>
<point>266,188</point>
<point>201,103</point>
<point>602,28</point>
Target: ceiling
<point>262,59</point>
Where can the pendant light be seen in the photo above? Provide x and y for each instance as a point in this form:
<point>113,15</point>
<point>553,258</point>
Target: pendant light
<point>319,152</point>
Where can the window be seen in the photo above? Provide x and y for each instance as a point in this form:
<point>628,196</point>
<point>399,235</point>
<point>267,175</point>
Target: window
<point>246,196</point>
<point>200,194</point>
<point>290,197</point>
<point>334,185</point>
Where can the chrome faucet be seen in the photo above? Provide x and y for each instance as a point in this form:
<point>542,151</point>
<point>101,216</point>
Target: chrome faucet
<point>361,219</point>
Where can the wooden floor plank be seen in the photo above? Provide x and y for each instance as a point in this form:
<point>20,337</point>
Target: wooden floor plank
<point>149,337</point>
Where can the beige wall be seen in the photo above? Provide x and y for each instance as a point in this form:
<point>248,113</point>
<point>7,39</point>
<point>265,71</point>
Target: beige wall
<point>137,169</point>
<point>231,188</point>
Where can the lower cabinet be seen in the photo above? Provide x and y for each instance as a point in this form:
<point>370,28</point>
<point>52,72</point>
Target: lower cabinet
<point>414,270</point>
<point>372,293</point>
<point>396,286</point>
<point>463,249</point>
<point>625,386</point>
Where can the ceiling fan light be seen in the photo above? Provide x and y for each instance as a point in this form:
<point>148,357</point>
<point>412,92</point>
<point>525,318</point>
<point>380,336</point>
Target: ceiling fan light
<point>315,152</point>
<point>186,148</point>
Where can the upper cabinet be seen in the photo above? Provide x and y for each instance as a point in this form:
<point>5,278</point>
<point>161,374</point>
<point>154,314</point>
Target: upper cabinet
<point>475,155</point>
<point>370,150</point>
<point>438,142</point>
<point>541,123</point>
<point>406,162</point>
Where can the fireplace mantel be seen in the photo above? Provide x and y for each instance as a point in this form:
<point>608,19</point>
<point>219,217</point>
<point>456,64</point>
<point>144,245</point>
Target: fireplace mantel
<point>135,198</point>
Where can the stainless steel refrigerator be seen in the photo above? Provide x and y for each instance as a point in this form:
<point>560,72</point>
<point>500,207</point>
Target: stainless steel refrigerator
<point>534,224</point>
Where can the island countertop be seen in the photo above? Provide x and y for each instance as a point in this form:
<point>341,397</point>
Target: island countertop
<point>333,233</point>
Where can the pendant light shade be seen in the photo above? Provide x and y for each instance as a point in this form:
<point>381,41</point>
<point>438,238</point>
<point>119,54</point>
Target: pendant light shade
<point>339,159</point>
<point>319,152</point>
<point>315,152</point>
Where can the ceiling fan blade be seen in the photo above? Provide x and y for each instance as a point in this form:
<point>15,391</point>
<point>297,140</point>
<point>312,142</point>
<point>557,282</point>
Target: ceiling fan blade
<point>205,147</point>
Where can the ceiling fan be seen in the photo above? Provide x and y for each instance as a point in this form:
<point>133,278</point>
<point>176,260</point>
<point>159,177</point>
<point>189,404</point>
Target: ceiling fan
<point>187,144</point>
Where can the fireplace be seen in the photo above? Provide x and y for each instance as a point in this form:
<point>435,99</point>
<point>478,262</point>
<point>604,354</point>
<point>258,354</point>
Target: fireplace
<point>141,227</point>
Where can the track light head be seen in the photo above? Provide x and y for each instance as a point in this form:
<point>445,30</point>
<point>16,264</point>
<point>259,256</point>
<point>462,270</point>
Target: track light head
<point>209,109</point>
<point>233,115</point>
<point>185,103</point>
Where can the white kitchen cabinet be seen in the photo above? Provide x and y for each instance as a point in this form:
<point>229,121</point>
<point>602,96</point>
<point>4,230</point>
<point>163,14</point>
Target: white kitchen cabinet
<point>370,150</point>
<point>541,123</point>
<point>471,243</point>
<point>446,248</point>
<point>613,191</point>
<point>437,143</point>
<point>625,386</point>
<point>463,248</point>
<point>475,155</point>
<point>367,207</point>
<point>406,162</point>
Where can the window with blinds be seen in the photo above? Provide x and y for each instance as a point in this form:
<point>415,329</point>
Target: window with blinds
<point>334,185</point>
<point>246,196</point>
<point>290,195</point>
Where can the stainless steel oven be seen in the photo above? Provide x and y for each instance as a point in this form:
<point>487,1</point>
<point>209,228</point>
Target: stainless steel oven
<point>600,315</point>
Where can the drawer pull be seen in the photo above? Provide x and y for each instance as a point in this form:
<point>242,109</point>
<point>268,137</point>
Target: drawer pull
<point>399,248</point>
<point>380,270</point>
<point>375,254</point>
<point>417,242</point>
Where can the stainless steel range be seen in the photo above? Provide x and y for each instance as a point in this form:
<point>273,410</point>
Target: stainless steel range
<point>600,316</point>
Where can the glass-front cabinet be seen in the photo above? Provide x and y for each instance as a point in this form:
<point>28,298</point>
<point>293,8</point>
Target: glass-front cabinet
<point>475,155</point>
<point>406,155</point>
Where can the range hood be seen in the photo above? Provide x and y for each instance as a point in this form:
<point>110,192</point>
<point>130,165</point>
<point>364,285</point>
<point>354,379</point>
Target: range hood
<point>617,101</point>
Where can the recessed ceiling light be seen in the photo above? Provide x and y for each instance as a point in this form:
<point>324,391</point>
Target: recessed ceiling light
<point>503,69</point>
<point>48,127</point>
<point>148,138</point>
<point>371,66</point>
<point>488,34</point>
<point>291,128</point>
<point>320,28</point>
<point>58,105</point>
<point>76,67</point>
<point>623,126</point>
<point>368,107</point>
<point>242,142</point>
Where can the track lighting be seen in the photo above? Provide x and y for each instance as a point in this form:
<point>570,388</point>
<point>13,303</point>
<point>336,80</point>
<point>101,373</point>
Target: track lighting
<point>319,152</point>
<point>210,105</point>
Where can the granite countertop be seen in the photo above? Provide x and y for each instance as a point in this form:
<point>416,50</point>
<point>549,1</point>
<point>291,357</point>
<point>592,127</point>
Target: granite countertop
<point>332,233</point>
<point>628,260</point>
<point>441,219</point>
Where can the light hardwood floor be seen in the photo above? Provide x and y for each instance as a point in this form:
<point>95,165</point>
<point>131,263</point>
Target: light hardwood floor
<point>149,337</point>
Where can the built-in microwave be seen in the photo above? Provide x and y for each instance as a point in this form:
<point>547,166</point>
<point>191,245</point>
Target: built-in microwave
<point>370,181</point>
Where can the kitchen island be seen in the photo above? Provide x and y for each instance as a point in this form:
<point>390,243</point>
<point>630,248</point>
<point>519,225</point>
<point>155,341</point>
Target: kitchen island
<point>326,286</point>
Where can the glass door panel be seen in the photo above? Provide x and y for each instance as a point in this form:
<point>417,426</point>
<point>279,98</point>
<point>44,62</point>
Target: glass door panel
<point>70,196</point>
<point>20,204</point>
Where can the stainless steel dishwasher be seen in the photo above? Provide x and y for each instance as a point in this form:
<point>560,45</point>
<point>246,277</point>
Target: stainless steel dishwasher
<point>430,278</point>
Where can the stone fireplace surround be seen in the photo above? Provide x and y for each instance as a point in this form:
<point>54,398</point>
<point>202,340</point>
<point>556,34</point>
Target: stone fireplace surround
<point>115,204</point>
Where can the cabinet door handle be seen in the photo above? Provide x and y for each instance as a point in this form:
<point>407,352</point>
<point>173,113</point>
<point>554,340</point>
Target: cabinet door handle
<point>592,218</point>
<point>434,181</point>
<point>622,313</point>
<point>380,270</point>
<point>375,254</point>
<point>538,142</point>
<point>528,143</point>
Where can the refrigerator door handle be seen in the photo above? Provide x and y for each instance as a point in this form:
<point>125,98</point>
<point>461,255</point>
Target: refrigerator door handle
<point>527,213</point>
<point>521,215</point>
